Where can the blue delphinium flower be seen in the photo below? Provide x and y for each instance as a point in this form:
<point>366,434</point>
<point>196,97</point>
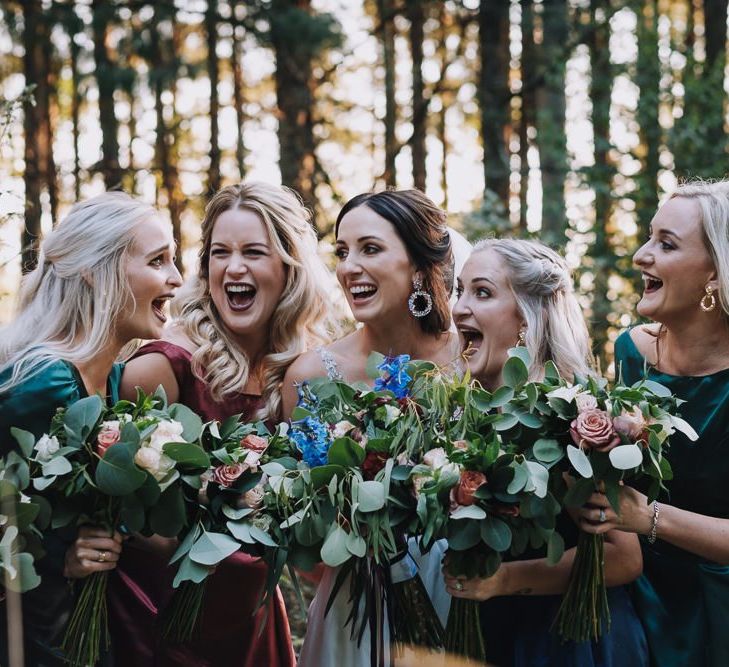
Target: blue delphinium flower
<point>394,375</point>
<point>307,398</point>
<point>311,438</point>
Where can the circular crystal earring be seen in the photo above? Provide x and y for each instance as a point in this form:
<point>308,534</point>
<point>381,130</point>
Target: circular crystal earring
<point>419,293</point>
<point>708,306</point>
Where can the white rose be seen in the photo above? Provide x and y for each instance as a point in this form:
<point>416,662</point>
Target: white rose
<point>46,447</point>
<point>155,463</point>
<point>391,414</point>
<point>436,458</point>
<point>252,459</point>
<point>342,428</point>
<point>166,431</point>
<point>585,401</point>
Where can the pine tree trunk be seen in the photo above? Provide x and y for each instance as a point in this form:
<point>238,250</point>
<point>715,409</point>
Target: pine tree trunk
<point>416,15</point>
<point>528,106</point>
<point>715,13</point>
<point>110,169</point>
<point>386,18</point>
<point>238,98</point>
<point>33,66</point>
<point>550,105</point>
<point>47,103</point>
<point>295,102</point>
<point>211,32</point>
<point>75,115</point>
<point>494,95</point>
<point>602,174</point>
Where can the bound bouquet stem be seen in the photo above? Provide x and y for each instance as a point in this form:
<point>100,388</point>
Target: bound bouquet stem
<point>88,626</point>
<point>584,608</point>
<point>179,619</point>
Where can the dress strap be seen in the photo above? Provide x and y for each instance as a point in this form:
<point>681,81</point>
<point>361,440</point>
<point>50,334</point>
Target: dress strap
<point>330,363</point>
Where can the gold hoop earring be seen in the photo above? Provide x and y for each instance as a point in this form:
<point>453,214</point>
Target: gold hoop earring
<point>707,307</point>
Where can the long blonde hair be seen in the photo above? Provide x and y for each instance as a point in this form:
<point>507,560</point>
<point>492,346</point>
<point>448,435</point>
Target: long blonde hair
<point>302,319</point>
<point>713,200</point>
<point>542,286</point>
<point>68,304</point>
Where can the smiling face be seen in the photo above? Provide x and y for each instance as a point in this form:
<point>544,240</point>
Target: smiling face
<point>374,268</point>
<point>153,279</point>
<point>486,315</point>
<point>675,262</point>
<point>246,275</point>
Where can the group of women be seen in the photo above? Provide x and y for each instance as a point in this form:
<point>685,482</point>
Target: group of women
<point>257,319</point>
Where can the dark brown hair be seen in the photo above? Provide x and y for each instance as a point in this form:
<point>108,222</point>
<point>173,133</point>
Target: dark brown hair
<point>421,226</point>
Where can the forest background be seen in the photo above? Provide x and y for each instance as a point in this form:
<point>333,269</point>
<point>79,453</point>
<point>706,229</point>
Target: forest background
<point>566,120</point>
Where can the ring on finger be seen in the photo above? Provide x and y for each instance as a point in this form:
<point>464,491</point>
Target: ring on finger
<point>102,556</point>
<point>603,518</point>
<point>458,586</point>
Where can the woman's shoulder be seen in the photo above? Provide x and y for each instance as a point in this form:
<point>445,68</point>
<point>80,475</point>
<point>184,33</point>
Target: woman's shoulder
<point>55,379</point>
<point>308,365</point>
<point>637,342</point>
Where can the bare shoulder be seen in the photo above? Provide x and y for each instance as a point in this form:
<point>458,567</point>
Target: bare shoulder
<point>177,336</point>
<point>308,365</point>
<point>644,337</point>
<point>148,372</point>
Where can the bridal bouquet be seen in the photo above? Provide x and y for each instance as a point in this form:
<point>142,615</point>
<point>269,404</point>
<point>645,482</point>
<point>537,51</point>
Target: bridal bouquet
<point>342,507</point>
<point>122,467</point>
<point>603,437</point>
<point>234,513</point>
<point>483,496</point>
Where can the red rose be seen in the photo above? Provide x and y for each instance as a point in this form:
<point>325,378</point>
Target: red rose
<point>594,429</point>
<point>254,443</point>
<point>470,481</point>
<point>373,463</point>
<point>226,475</point>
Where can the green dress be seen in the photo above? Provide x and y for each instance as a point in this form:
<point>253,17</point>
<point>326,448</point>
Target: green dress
<point>46,609</point>
<point>683,599</point>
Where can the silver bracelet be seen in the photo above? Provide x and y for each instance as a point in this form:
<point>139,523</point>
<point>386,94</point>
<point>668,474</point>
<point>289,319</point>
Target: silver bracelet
<point>654,528</point>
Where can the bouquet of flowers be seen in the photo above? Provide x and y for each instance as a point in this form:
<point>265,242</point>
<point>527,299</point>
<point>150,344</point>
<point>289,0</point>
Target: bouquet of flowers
<point>122,467</point>
<point>486,498</point>
<point>603,437</point>
<point>342,507</point>
<point>231,515</point>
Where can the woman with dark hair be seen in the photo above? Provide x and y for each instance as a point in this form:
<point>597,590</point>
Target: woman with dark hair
<point>395,265</point>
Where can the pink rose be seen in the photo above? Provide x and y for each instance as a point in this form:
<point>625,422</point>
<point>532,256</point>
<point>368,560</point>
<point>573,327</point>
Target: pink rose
<point>630,424</point>
<point>226,475</point>
<point>585,401</point>
<point>594,429</point>
<point>254,443</point>
<point>470,481</point>
<point>109,435</point>
<point>418,482</point>
<point>435,458</point>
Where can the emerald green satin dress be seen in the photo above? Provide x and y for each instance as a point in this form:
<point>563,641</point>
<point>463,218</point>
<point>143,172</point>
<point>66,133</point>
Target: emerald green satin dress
<point>683,599</point>
<point>46,609</point>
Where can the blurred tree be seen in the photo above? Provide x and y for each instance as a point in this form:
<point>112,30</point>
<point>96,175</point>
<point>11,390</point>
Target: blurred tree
<point>416,12</point>
<point>494,95</point>
<point>211,35</point>
<point>103,14</point>
<point>386,30</point>
<point>550,117</point>
<point>239,90</point>
<point>528,105</point>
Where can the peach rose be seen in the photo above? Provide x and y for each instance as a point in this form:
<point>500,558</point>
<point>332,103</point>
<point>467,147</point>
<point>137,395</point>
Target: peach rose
<point>254,443</point>
<point>470,481</point>
<point>594,429</point>
<point>226,475</point>
<point>585,401</point>
<point>630,424</point>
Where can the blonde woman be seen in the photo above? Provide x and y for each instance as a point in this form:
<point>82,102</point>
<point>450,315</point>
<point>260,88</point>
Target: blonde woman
<point>257,302</point>
<point>683,595</point>
<point>103,277</point>
<point>520,292</point>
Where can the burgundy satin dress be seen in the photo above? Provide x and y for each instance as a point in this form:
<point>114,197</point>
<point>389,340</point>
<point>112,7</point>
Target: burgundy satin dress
<point>229,633</point>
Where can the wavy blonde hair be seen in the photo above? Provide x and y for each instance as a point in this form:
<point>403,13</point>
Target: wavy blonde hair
<point>68,304</point>
<point>542,286</point>
<point>712,198</point>
<point>302,319</point>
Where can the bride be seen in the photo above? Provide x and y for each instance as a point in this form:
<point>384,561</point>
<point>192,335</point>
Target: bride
<point>395,265</point>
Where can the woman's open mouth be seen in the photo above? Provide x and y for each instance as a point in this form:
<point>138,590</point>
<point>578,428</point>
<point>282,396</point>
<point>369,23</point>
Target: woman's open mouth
<point>471,339</point>
<point>158,306</point>
<point>651,283</point>
<point>362,293</point>
<point>240,295</point>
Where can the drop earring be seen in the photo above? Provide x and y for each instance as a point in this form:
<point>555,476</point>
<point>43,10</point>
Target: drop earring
<point>419,293</point>
<point>708,306</point>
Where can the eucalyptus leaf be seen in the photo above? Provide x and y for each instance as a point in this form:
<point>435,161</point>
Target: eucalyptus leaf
<point>346,452</point>
<point>211,548</point>
<point>468,512</point>
<point>555,548</point>
<point>625,457</point>
<point>334,551</point>
<point>188,455</point>
<point>81,417</point>
<point>501,397</point>
<point>190,571</point>
<point>116,473</point>
<point>25,440</point>
<point>496,533</point>
<point>580,461</point>
<point>515,372</point>
<point>191,422</point>
<point>58,465</point>
<point>371,496</point>
<point>547,450</point>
